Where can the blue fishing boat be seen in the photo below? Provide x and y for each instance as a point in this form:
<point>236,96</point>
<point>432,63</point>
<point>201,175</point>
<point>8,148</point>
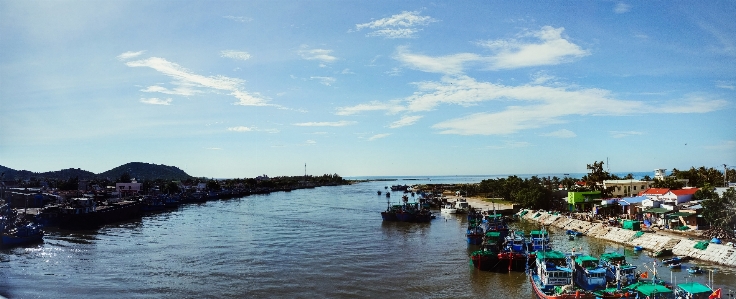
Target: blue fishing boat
<point>486,258</point>
<point>15,230</point>
<point>617,268</point>
<point>695,270</point>
<point>514,255</point>
<point>539,240</point>
<point>553,277</point>
<point>693,290</point>
<point>475,232</point>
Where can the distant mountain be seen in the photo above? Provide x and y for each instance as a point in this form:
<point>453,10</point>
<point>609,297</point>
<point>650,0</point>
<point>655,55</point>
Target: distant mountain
<point>143,171</point>
<point>137,170</point>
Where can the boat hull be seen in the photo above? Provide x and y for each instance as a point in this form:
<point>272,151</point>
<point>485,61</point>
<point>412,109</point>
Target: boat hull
<point>541,294</point>
<point>8,240</point>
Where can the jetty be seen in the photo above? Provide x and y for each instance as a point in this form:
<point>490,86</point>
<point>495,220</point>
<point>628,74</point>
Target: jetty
<point>654,241</point>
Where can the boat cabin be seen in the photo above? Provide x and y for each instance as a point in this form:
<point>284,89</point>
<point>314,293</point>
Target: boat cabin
<point>552,269</point>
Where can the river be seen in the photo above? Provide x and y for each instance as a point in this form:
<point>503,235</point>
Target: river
<point>326,242</point>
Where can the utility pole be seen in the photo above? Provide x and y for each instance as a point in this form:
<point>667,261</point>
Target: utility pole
<point>725,174</point>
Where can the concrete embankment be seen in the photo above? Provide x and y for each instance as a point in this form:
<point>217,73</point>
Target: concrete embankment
<point>651,241</point>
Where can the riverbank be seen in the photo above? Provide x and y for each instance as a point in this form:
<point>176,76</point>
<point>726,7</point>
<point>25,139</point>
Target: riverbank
<point>652,241</point>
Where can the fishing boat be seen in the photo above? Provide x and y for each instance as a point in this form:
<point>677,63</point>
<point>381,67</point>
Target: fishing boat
<point>552,278</point>
<point>591,275</point>
<point>514,255</point>
<point>694,290</point>
<point>617,268</point>
<point>475,233</point>
<point>486,258</point>
<point>653,288</point>
<point>539,240</point>
<point>674,260</point>
<point>496,223</point>
<point>461,206</point>
<point>574,233</point>
<point>84,213</point>
<point>448,208</point>
<point>15,231</point>
<point>695,270</point>
<point>675,265</point>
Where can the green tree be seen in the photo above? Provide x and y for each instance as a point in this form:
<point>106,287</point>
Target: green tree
<point>720,212</point>
<point>668,182</point>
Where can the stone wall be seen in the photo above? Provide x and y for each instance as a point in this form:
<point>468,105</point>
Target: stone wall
<point>681,246</point>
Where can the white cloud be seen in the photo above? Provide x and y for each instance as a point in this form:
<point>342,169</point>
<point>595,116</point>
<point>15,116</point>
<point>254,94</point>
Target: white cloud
<point>541,78</point>
<point>450,64</point>
<point>183,90</point>
<point>550,48</point>
<point>347,71</point>
<point>324,80</point>
<point>403,25</point>
<point>129,55</point>
<point>341,123</point>
<point>213,148</point>
<point>622,134</point>
<point>726,85</point>
<point>621,8</point>
<point>156,101</point>
<point>724,145</point>
<point>378,136</point>
<point>394,72</point>
<point>546,47</point>
<point>239,55</point>
<point>238,18</point>
<point>240,129</point>
<point>322,55</point>
<point>563,133</point>
<point>310,142</point>
<point>510,144</point>
<point>391,108</point>
<point>693,103</point>
<point>185,77</point>
<point>406,120</point>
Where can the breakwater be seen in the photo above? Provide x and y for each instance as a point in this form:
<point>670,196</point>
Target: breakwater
<point>650,241</point>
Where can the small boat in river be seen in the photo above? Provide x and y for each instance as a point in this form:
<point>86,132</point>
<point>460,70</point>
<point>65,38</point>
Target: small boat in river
<point>15,231</point>
<point>553,278</point>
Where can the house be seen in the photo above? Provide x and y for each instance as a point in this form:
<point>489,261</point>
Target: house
<point>583,200</point>
<point>654,192</point>
<point>128,189</point>
<point>631,205</point>
<point>675,197</point>
<point>625,188</point>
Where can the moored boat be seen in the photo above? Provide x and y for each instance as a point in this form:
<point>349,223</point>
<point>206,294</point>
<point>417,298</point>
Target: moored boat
<point>15,231</point>
<point>552,278</point>
<point>695,290</point>
<point>617,268</point>
<point>475,233</point>
<point>486,258</point>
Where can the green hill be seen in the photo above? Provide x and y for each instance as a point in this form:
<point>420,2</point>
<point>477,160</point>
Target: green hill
<point>137,170</point>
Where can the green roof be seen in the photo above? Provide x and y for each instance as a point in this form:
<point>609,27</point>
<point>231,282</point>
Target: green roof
<point>658,211</point>
<point>523,213</point>
<point>612,256</point>
<point>648,288</point>
<point>585,258</point>
<point>539,232</point>
<point>552,254</point>
<point>493,234</point>
<point>678,214</point>
<point>695,288</point>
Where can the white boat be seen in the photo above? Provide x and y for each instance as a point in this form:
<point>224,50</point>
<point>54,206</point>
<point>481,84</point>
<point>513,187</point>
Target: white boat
<point>449,208</point>
<point>462,206</point>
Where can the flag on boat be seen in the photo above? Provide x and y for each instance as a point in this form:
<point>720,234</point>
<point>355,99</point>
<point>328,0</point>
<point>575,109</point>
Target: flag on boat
<point>644,275</point>
<point>716,294</point>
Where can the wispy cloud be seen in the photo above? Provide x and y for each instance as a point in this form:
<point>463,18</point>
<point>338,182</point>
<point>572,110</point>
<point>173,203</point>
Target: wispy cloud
<point>726,85</point>
<point>156,101</point>
<point>694,103</point>
<point>213,148</point>
<point>129,55</point>
<point>310,142</point>
<point>324,80</point>
<point>322,55</point>
<point>622,134</point>
<point>341,123</point>
<point>563,133</point>
<point>510,144</point>
<point>724,145</point>
<point>238,55</point>
<point>187,78</point>
<point>450,64</point>
<point>534,48</point>
<point>621,8</point>
<point>378,136</point>
<point>240,129</point>
<point>406,120</point>
<point>238,18</point>
<point>393,72</point>
<point>531,106</point>
<point>182,89</point>
<point>391,108</point>
<point>403,25</point>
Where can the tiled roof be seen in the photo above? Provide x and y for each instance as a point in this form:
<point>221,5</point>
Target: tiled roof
<point>654,191</point>
<point>685,191</point>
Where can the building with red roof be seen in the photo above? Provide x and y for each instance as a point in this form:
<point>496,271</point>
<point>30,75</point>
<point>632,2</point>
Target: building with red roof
<point>675,197</point>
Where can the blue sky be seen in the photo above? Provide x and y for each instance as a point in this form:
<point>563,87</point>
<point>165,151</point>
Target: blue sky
<point>243,88</point>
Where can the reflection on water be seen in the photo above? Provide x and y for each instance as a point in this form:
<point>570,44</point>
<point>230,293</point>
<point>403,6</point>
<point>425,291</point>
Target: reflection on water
<point>313,243</point>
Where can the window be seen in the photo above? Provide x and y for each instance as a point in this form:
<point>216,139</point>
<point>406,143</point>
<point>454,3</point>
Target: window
<point>634,187</point>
